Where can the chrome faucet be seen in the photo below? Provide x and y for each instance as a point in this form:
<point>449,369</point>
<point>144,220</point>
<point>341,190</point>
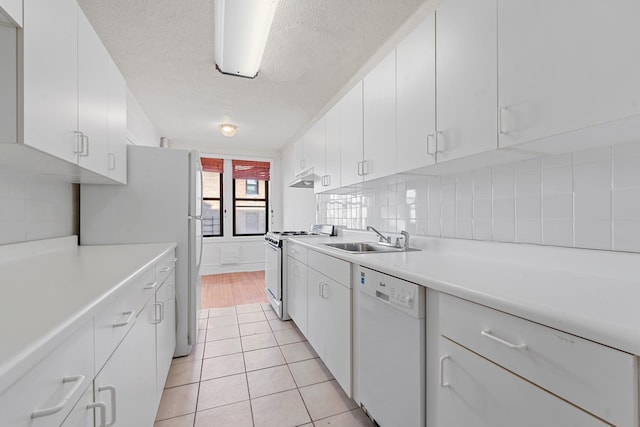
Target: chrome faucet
<point>383,238</point>
<point>406,239</point>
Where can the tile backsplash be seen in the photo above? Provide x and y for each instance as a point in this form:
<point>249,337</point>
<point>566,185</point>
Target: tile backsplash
<point>34,207</point>
<point>585,199</point>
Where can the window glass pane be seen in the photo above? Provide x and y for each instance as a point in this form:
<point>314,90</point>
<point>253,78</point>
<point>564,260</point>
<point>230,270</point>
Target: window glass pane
<point>211,185</point>
<point>246,189</point>
<point>251,219</point>
<point>211,224</point>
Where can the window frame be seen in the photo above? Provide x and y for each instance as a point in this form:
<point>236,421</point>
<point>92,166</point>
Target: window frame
<point>221,200</point>
<point>266,207</point>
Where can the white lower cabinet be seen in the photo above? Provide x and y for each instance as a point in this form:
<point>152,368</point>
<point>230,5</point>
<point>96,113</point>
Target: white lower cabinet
<point>47,393</point>
<point>127,382</point>
<point>110,372</point>
<point>476,392</point>
<point>165,312</point>
<point>82,415</point>
<point>329,315</point>
<point>505,371</point>
<point>297,293</point>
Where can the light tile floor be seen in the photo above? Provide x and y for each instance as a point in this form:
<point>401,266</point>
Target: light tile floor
<point>251,369</point>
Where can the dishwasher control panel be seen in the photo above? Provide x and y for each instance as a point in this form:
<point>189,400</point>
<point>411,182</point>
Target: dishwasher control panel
<point>404,295</point>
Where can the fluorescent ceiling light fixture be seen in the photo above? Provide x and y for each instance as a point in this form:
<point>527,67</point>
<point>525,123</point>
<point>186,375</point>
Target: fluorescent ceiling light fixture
<point>241,30</point>
<point>227,129</point>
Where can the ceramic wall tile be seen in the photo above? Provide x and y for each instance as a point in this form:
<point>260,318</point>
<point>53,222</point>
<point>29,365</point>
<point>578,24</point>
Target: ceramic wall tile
<point>588,199</point>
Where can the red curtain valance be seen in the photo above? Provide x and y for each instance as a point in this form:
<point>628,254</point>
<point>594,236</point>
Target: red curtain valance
<point>212,165</point>
<point>247,169</point>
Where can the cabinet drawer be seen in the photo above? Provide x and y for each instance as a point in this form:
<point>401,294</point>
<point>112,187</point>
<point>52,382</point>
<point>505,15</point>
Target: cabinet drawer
<point>113,322</point>
<point>165,266</point>
<point>53,386</point>
<point>594,377</point>
<point>335,268</point>
<point>297,251</point>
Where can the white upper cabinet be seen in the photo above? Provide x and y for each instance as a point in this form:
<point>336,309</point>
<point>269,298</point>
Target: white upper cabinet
<point>314,147</point>
<point>565,66</point>
<point>332,149</point>
<point>50,85</point>
<point>380,119</point>
<point>351,137</point>
<point>11,9</point>
<point>300,161</point>
<point>62,95</point>
<point>416,97</point>
<point>117,124</point>
<point>8,85</point>
<point>466,69</point>
<point>92,97</point>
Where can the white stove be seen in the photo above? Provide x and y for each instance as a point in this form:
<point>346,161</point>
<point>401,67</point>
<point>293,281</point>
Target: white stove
<point>275,264</point>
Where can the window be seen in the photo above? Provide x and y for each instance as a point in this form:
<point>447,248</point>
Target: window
<point>250,197</point>
<point>252,187</point>
<point>212,169</point>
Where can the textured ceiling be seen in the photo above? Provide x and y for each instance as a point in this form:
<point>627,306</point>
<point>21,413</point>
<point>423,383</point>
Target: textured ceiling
<point>316,49</point>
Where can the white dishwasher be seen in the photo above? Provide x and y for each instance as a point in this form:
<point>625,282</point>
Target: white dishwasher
<point>391,326</point>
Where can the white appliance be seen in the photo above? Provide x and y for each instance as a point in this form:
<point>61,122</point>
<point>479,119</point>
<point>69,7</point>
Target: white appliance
<point>275,264</point>
<point>162,202</point>
<point>391,327</point>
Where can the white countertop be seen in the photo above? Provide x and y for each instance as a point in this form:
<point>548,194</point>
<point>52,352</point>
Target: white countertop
<point>48,294</point>
<point>588,293</point>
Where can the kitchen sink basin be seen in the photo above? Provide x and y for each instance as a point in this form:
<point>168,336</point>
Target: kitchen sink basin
<point>367,247</point>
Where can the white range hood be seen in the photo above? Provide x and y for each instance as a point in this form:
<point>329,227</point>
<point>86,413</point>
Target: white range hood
<point>304,180</point>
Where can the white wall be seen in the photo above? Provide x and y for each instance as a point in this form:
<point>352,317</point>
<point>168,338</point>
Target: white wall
<point>34,207</point>
<point>298,204</point>
<point>140,130</point>
<point>587,199</point>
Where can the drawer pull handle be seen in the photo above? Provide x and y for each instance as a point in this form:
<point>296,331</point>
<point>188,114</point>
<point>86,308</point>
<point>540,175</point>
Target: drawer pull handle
<point>112,393</point>
<point>487,333</point>
<point>151,285</point>
<point>173,260</point>
<point>79,380</point>
<point>131,314</point>
<point>158,315</point>
<point>103,412</point>
<point>165,269</point>
<point>442,383</point>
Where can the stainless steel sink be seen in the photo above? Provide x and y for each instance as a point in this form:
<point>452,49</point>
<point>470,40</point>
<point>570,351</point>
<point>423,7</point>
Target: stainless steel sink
<point>367,247</point>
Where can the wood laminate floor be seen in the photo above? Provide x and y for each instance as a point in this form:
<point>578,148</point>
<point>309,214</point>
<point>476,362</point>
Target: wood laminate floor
<point>230,289</point>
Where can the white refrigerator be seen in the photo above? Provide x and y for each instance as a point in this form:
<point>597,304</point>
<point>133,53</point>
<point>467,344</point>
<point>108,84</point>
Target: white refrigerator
<point>161,202</point>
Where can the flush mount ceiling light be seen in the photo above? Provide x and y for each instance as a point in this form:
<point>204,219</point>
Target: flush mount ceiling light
<point>242,28</point>
<point>227,129</point>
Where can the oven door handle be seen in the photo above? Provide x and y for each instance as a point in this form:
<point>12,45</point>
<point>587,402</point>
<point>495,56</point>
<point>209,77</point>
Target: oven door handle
<point>270,246</point>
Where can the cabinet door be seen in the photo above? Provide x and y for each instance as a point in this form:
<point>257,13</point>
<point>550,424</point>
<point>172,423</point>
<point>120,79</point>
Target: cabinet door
<point>300,160</point>
<point>575,67</point>
<point>117,123</point>
<point>297,293</point>
<point>50,70</point>
<point>466,70</point>
<point>165,312</point>
<point>416,86</point>
<point>128,380</point>
<point>476,392</point>
<point>380,119</point>
<point>8,84</point>
<point>351,138</point>
<point>82,414</point>
<point>316,314</point>
<point>92,97</point>
<point>337,318</point>
<point>314,147</point>
<point>13,10</point>
<point>331,177</point>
